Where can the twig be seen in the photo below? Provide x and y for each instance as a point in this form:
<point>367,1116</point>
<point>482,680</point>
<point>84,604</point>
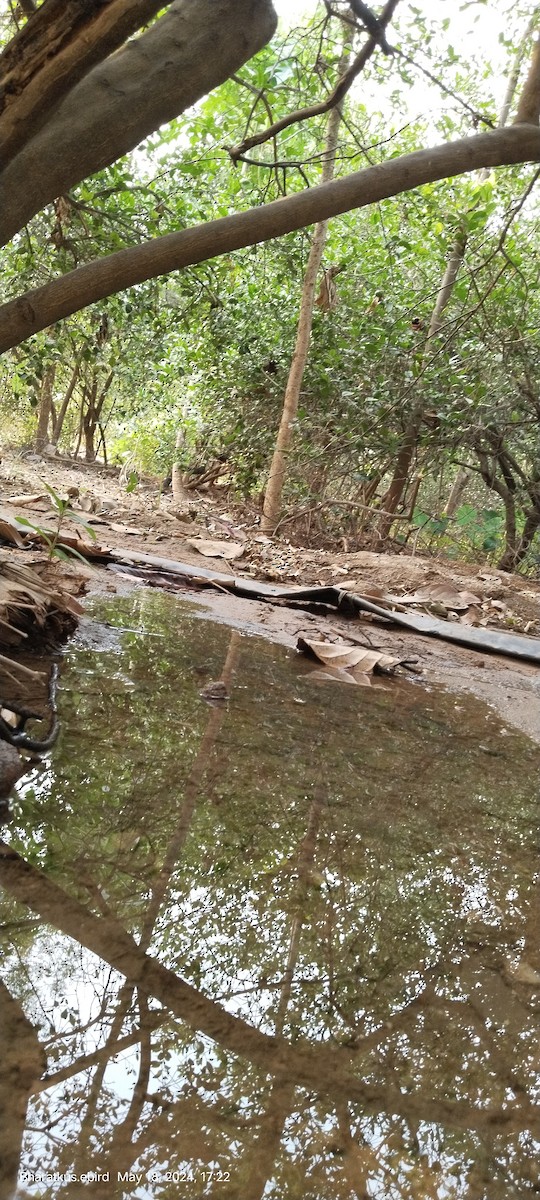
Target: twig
<point>303,512</point>
<point>7,663</point>
<point>336,96</point>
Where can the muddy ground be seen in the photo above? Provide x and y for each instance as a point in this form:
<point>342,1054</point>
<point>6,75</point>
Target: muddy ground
<point>146,520</point>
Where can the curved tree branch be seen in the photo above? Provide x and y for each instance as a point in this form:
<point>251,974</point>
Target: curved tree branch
<point>43,306</point>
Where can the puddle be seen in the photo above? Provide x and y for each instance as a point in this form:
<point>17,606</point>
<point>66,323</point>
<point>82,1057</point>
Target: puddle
<point>284,946</point>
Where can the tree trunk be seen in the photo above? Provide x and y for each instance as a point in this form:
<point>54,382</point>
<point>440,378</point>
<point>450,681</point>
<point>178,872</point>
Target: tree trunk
<point>458,487</point>
<point>94,408</point>
<point>59,420</point>
<point>82,35</point>
<point>89,423</point>
<point>400,478</point>
<point>511,559</point>
<point>407,451</point>
<point>23,1064</point>
<point>45,406</point>
<point>515,552</point>
<point>180,493</point>
<point>278,466</point>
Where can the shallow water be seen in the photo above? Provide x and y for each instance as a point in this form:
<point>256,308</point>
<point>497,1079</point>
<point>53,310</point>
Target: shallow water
<point>284,946</point>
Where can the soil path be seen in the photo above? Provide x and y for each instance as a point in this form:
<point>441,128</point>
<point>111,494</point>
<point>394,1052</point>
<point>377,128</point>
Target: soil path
<point>144,519</point>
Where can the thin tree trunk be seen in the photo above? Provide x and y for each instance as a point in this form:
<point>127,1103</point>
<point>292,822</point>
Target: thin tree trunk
<point>511,558</point>
<point>180,493</point>
<point>278,466</point>
<point>93,412</point>
<point>407,451</point>
<point>89,423</point>
<point>514,554</point>
<point>59,421</point>
<point>458,487</point>
<point>45,403</point>
<point>280,1104</point>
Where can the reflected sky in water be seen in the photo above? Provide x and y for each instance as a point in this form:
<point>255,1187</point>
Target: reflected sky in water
<point>281,946</point>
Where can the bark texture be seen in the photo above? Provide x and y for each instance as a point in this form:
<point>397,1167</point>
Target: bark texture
<point>45,408</point>
<point>195,46</point>
<point>23,1063</point>
<point>529,104</point>
<point>35,310</point>
<point>59,44</point>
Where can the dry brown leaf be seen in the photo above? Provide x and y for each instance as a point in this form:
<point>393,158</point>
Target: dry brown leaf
<point>470,598</point>
<point>442,594</point>
<point>34,498</point>
<point>216,549</point>
<point>69,602</point>
<point>87,504</point>
<point>471,617</point>
<point>86,549</point>
<point>352,658</point>
<point>375,593</point>
<point>9,533</point>
<point>130,529</point>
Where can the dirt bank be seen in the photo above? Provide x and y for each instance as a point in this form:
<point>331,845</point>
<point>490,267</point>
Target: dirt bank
<point>148,521</point>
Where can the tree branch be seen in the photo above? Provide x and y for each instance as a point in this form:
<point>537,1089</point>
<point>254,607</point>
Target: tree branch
<point>190,50</point>
<point>42,306</point>
<point>325,1069</point>
<point>59,44</point>
<point>529,105</point>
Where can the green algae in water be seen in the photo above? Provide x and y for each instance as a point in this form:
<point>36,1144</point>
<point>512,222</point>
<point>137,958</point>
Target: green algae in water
<point>336,890</point>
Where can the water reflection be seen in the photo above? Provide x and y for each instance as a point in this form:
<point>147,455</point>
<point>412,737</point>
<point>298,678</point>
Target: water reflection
<point>282,947</point>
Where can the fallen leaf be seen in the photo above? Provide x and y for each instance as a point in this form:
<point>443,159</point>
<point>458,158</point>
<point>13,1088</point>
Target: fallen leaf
<point>441,594</point>
<point>86,504</point>
<point>130,529</point>
<point>34,498</point>
<point>470,598</point>
<point>216,549</point>
<point>471,617</point>
<point>86,549</point>
<point>9,533</point>
<point>69,602</point>
<point>351,658</point>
